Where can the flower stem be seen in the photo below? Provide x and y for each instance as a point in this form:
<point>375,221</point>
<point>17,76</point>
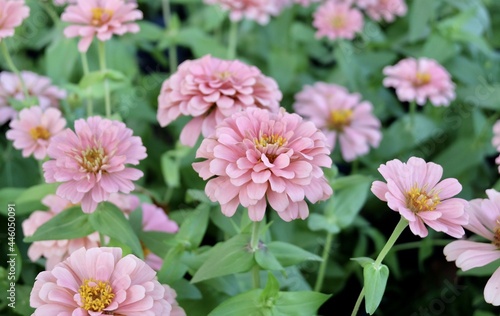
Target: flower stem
<point>172,50</point>
<point>102,63</point>
<point>387,247</point>
<point>322,268</point>
<point>233,40</point>
<point>254,246</point>
<point>85,66</point>
<point>13,68</point>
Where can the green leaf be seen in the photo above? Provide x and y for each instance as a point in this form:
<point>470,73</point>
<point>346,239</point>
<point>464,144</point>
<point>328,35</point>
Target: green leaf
<point>289,255</point>
<point>97,78</point>
<point>157,241</point>
<point>266,259</point>
<point>421,13</point>
<point>243,304</point>
<point>231,256</point>
<point>8,196</point>
<point>460,157</point>
<point>363,261</point>
<point>30,199</point>
<point>170,170</point>
<point>62,49</point>
<point>69,224</point>
<point>108,220</point>
<point>299,303</point>
<point>193,228</point>
<point>375,280</point>
<point>200,43</point>
<point>271,291</point>
<point>173,268</point>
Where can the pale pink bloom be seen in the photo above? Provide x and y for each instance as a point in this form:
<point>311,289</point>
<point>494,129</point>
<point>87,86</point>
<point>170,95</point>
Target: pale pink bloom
<point>126,203</point>
<point>383,9</point>
<point>257,157</point>
<point>54,251</point>
<point>256,10</point>
<point>420,80</point>
<point>305,3</point>
<point>415,191</point>
<point>484,220</point>
<point>337,20</point>
<point>210,89</point>
<point>38,87</point>
<point>34,129</point>
<point>64,2</point>
<point>12,14</point>
<point>341,116</point>
<point>100,18</point>
<point>155,219</point>
<point>92,162</point>
<point>496,141</point>
<point>170,296</point>
<point>98,281</point>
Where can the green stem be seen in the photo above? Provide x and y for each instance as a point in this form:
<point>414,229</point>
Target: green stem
<point>172,50</point>
<point>322,267</point>
<point>102,63</point>
<point>90,103</point>
<point>40,168</point>
<point>256,277</point>
<point>13,68</point>
<point>254,246</point>
<point>355,166</point>
<point>358,302</point>
<point>233,40</point>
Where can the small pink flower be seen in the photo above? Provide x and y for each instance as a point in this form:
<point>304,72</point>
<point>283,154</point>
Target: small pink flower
<point>337,20</point>
<point>210,89</point>
<point>127,203</point>
<point>420,80</point>
<point>415,191</point>
<point>496,141</point>
<point>257,157</point>
<point>54,251</point>
<point>484,220</point>
<point>92,162</point>
<point>100,18</point>
<point>12,14</point>
<point>34,129</point>
<point>98,281</point>
<point>383,9</point>
<point>38,87</point>
<point>256,10</point>
<point>340,115</point>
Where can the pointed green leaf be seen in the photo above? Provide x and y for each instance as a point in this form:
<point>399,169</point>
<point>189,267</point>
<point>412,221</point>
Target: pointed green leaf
<point>266,259</point>
<point>243,304</point>
<point>299,303</point>
<point>375,280</point>
<point>289,255</point>
<point>30,199</point>
<point>193,228</point>
<point>173,268</point>
<point>363,261</point>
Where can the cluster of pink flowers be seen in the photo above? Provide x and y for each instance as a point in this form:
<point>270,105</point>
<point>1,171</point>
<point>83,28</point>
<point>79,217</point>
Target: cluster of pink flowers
<point>335,19</point>
<point>256,10</point>
<point>496,141</point>
<point>340,115</point>
<point>210,89</point>
<point>383,9</point>
<point>12,14</point>
<point>257,156</point>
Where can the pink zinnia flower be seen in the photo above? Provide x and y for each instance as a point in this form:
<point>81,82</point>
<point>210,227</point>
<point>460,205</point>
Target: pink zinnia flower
<point>38,87</point>
<point>98,281</point>
<point>170,296</point>
<point>337,20</point>
<point>256,10</point>
<point>415,191</point>
<point>91,162</point>
<point>100,18</point>
<point>64,2</point>
<point>484,220</point>
<point>211,89</point>
<point>54,251</point>
<point>257,156</point>
<point>419,80</point>
<point>127,203</point>
<point>340,115</point>
<point>12,14</point>
<point>496,141</point>
<point>383,9</point>
<point>34,129</point>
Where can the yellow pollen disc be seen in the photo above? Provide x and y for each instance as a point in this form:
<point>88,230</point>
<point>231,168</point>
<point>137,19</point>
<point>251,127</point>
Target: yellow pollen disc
<point>39,132</point>
<point>145,249</point>
<point>423,78</point>
<point>266,140</point>
<point>224,75</point>
<point>496,236</point>
<point>338,21</point>
<point>93,159</point>
<point>95,295</point>
<point>101,16</point>
<point>419,200</point>
<point>339,119</point>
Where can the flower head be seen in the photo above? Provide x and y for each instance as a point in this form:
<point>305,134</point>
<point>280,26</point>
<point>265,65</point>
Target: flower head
<point>256,10</point>
<point>100,18</point>
<point>383,9</point>
<point>12,14</point>
<point>257,156</point>
<point>496,141</point>
<point>34,129</point>
<point>64,2</point>
<point>484,220</point>
<point>337,20</point>
<point>98,281</point>
<point>340,115</point>
<point>420,80</point>
<point>91,162</point>
<point>210,89</point>
<point>415,191</point>
<point>38,86</point>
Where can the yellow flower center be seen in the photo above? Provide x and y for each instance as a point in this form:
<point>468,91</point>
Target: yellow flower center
<point>496,237</point>
<point>223,75</point>
<point>422,78</point>
<point>338,21</point>
<point>339,119</point>
<point>100,16</point>
<point>95,295</point>
<point>39,132</point>
<point>418,200</point>
<point>92,159</point>
<point>269,145</point>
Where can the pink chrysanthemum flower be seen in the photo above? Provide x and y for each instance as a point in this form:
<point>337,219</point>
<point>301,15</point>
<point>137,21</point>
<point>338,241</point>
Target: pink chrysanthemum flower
<point>155,219</point>
<point>38,86</point>
<point>496,141</point>
<point>54,251</point>
<point>100,18</point>
<point>256,10</point>
<point>170,296</point>
<point>420,80</point>
<point>92,162</point>
<point>337,20</point>
<point>98,281</point>
<point>415,191</point>
<point>340,115</point>
<point>484,220</point>
<point>257,156</point>
<point>34,129</point>
<point>383,9</point>
<point>210,89</point>
<point>12,14</point>
<point>126,203</point>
